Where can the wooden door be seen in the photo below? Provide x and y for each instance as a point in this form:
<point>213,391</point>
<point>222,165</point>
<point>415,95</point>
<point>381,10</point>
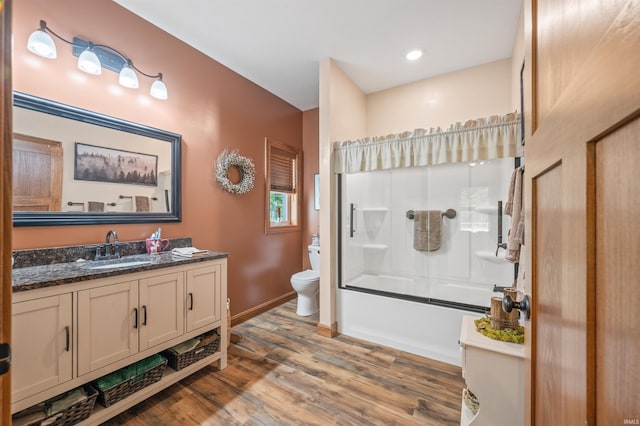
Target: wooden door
<point>203,296</point>
<point>42,346</point>
<point>6,219</point>
<point>37,174</point>
<point>582,102</point>
<point>161,309</point>
<point>108,321</point>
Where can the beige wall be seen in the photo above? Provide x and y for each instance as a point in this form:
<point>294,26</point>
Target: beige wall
<point>441,101</point>
<point>342,116</point>
<point>212,108</point>
<point>517,59</point>
<point>311,217</point>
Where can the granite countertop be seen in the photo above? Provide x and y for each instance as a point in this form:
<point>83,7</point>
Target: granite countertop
<point>34,277</point>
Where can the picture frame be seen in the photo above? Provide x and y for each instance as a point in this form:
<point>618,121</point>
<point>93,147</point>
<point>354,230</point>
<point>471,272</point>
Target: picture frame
<point>316,191</point>
<point>101,164</point>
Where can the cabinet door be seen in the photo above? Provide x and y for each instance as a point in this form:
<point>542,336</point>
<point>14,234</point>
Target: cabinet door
<point>41,345</point>
<point>107,325</point>
<point>203,296</point>
<point>161,309</point>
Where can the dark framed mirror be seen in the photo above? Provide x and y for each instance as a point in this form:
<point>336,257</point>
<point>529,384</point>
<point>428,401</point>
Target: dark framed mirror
<point>73,166</point>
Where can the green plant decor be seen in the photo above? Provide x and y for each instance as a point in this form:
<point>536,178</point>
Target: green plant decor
<point>483,326</point>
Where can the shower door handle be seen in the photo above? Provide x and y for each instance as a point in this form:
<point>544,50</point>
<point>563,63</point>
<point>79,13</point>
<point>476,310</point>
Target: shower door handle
<point>352,210</point>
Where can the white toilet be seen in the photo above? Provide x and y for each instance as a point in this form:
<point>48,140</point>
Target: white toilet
<point>307,284</point>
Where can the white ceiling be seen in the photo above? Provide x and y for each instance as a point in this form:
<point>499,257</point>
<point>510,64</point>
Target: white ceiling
<point>278,44</point>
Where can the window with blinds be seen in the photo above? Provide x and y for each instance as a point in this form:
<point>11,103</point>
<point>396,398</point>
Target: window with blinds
<point>281,204</point>
<point>283,170</point>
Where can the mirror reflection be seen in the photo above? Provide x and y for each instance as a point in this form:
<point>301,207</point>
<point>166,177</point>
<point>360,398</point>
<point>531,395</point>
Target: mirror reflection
<point>72,166</point>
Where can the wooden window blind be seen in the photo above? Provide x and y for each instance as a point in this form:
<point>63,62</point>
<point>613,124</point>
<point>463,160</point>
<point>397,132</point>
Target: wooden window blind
<point>283,169</point>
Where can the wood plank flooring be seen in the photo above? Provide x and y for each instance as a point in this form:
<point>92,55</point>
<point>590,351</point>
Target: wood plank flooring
<point>283,373</point>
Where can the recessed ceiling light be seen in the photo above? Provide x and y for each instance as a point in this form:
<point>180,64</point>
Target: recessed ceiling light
<point>414,54</point>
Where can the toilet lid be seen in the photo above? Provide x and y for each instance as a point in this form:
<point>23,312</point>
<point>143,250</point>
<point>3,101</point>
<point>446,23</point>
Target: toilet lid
<point>308,275</point>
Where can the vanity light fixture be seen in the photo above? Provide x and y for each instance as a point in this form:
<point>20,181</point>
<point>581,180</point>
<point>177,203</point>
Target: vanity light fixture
<point>93,57</point>
<point>88,61</point>
<point>41,43</point>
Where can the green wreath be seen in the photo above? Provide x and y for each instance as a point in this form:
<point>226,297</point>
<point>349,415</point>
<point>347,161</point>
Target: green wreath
<point>244,165</point>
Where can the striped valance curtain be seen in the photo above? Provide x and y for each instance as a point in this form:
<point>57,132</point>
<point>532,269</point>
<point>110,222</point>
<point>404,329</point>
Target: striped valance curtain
<point>474,140</point>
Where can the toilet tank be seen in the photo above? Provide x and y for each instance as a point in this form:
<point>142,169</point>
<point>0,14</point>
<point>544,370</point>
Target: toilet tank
<point>314,257</point>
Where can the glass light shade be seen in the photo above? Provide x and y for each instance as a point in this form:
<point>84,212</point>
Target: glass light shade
<point>159,90</point>
<point>128,77</point>
<point>42,44</point>
<point>88,62</point>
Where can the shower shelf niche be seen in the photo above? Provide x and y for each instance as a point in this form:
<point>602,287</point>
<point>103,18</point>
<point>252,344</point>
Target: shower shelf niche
<point>484,209</point>
<point>375,246</point>
<point>491,257</point>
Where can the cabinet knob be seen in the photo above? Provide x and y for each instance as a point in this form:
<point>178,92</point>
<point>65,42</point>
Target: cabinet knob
<point>508,304</point>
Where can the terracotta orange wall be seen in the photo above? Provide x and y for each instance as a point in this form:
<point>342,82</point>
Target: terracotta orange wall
<point>212,108</point>
<point>311,217</point>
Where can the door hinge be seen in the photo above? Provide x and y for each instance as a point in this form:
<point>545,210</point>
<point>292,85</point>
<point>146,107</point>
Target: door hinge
<point>5,358</point>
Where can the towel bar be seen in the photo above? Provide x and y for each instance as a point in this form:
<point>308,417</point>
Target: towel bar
<point>71,203</point>
<point>450,214</point>
<point>131,196</point>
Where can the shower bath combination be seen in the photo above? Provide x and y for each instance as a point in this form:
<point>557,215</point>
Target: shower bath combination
<point>378,246</point>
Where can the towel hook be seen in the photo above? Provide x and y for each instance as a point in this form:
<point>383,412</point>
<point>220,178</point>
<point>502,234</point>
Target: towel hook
<point>411,214</point>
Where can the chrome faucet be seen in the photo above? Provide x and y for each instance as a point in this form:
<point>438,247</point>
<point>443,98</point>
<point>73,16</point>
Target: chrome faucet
<point>107,244</point>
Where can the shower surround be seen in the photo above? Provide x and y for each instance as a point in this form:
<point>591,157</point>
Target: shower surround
<point>397,286</point>
<point>378,257</point>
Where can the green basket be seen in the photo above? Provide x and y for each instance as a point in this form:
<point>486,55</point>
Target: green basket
<point>69,416</point>
<point>119,391</point>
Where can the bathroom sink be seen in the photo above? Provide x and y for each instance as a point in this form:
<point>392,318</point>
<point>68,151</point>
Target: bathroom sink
<point>116,263</point>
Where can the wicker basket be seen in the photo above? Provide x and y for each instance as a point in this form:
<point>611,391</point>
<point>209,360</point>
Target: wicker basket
<point>71,415</point>
<point>122,390</point>
<point>180,361</point>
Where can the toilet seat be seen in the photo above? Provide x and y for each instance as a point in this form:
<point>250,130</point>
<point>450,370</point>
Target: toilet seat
<point>306,276</point>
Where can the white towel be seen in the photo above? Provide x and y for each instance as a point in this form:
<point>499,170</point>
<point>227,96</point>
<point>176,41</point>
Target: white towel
<point>188,252</point>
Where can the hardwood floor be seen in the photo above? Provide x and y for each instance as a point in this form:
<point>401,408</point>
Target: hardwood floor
<point>283,373</point>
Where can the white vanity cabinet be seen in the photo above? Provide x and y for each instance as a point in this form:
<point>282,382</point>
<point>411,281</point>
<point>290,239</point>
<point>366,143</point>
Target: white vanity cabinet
<point>204,302</point>
<point>67,335</point>
<point>42,346</point>
<point>118,320</point>
<point>494,372</point>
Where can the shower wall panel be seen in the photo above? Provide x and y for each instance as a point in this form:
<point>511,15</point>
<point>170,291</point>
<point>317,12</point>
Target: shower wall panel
<point>380,255</point>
